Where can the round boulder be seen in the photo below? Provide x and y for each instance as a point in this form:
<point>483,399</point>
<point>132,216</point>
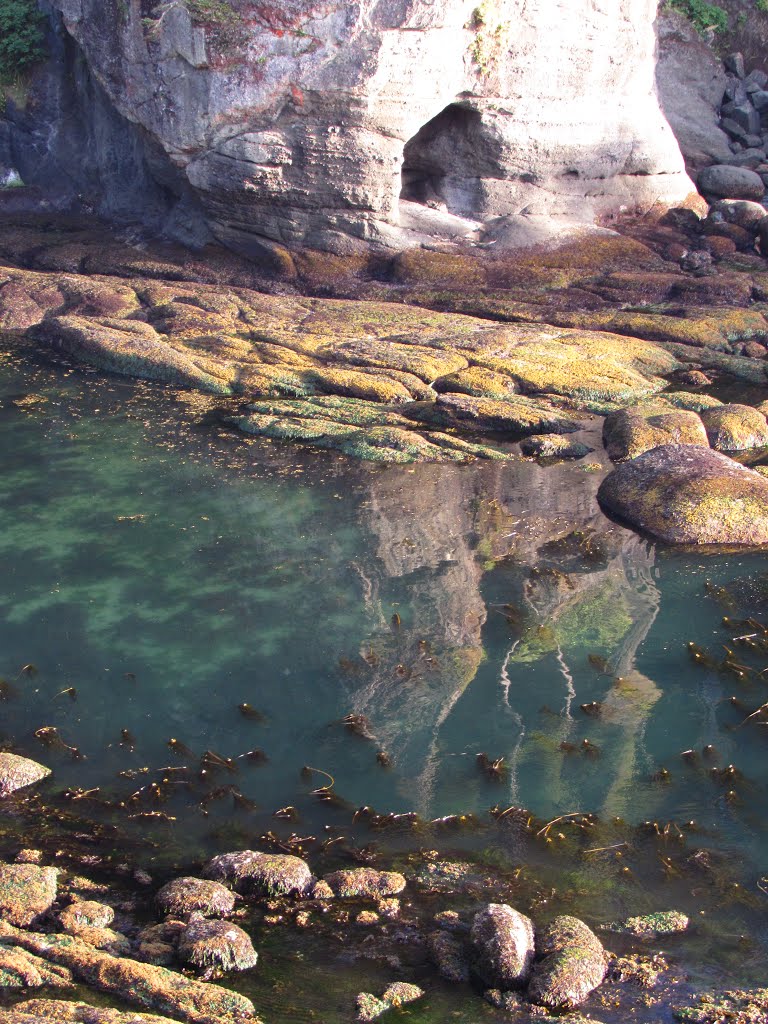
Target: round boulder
<point>726,182</point>
<point>502,946</point>
<point>684,494</point>
<point>86,914</point>
<point>572,964</point>
<point>185,895</point>
<point>17,772</point>
<point>735,428</point>
<point>261,874</point>
<point>365,882</point>
<point>26,892</point>
<point>216,945</point>
<point>742,212</point>
<point>630,432</point>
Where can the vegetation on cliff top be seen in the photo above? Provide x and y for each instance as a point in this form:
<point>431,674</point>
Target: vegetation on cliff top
<point>21,37</point>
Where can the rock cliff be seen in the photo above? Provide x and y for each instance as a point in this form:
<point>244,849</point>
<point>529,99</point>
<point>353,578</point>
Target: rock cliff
<point>334,125</point>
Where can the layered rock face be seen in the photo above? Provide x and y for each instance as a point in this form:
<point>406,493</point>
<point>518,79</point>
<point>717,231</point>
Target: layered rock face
<point>335,124</point>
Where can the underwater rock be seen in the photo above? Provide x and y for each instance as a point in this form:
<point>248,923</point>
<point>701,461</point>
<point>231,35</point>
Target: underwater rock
<point>684,494</point>
<point>26,892</point>
<point>630,432</point>
<point>664,922</point>
<point>573,964</point>
<point>365,882</point>
<point>735,428</point>
<point>216,944</point>
<point>502,942</point>
<point>449,956</point>
<point>17,772</point>
<point>187,894</point>
<point>155,988</point>
<point>399,993</point>
<point>736,1006</point>
<point>261,874</point>
<point>369,1006</point>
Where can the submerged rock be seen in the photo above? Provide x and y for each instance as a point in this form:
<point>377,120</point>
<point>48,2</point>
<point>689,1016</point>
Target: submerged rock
<point>683,494</point>
<point>365,882</point>
<point>262,874</point>
<point>573,964</point>
<point>502,946</point>
<point>216,945</point>
<point>548,446</point>
<point>185,895</point>
<point>399,993</point>
<point>449,956</point>
<point>26,892</point>
<point>664,922</point>
<point>17,772</point>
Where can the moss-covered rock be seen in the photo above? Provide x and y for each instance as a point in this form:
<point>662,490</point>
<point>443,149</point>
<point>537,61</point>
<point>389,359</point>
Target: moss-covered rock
<point>735,1006</point>
<point>517,415</point>
<point>478,381</point>
<point>216,946</point>
<point>570,964</point>
<point>357,882</point>
<point>630,432</point>
<point>19,969</point>
<point>17,772</point>
<point>263,874</point>
<point>684,494</point>
<point>449,956</point>
<point>734,428</point>
<point>501,946</point>
<point>86,913</point>
<point>56,1011</point>
<point>185,895</point>
<point>26,892</point>
<point>663,922</point>
<point>554,446</point>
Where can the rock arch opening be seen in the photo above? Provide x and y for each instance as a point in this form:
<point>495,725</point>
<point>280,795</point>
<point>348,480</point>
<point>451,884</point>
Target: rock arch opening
<point>442,163</point>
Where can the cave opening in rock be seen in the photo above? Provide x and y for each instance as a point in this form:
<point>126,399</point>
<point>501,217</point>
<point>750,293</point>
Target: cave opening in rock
<point>441,163</point>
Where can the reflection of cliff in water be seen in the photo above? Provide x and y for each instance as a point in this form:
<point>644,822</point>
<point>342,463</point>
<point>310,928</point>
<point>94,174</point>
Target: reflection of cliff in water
<point>510,571</point>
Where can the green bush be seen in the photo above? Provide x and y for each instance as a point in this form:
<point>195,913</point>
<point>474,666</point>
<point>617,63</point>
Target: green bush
<point>21,36</point>
<point>702,15</point>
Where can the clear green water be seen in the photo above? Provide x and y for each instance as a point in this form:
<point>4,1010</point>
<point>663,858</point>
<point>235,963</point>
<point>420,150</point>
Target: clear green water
<point>170,571</point>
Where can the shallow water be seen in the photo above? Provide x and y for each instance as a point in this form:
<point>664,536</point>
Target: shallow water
<point>170,571</point>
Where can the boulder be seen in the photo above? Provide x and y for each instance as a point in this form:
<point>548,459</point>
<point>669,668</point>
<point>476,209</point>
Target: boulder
<point>630,432</point>
<point>185,895</point>
<point>683,494</point>
<point>86,913</point>
<point>55,1011</point>
<point>735,428</point>
<point>549,446</point>
<point>448,955</point>
<point>26,892</point>
<point>741,212</point>
<point>216,945</point>
<point>19,969</point>
<point>502,946</point>
<point>399,993</point>
<point>725,182</point>
<point>572,963</point>
<point>663,922</point>
<point>365,882</point>
<point>261,874</point>
<point>17,772</point>
<point>517,415</point>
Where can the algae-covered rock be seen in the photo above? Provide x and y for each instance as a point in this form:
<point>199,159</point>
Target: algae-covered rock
<point>369,1007</point>
<point>86,913</point>
<point>56,1011</point>
<point>17,772</point>
<point>185,895</point>
<point>478,381</point>
<point>550,446</point>
<point>684,494</point>
<point>365,882</point>
<point>664,922</point>
<point>154,988</point>
<point>102,938</point>
<point>262,874</point>
<point>733,428</point>
<point>399,993</point>
<point>26,892</point>
<point>748,1006</point>
<point>449,956</point>
<point>572,964</point>
<point>19,969</point>
<point>516,415</point>
<point>630,432</point>
<point>502,946</point>
<point>216,944</point>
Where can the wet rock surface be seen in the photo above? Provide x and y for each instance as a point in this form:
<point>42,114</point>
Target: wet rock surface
<point>266,874</point>
<point>18,772</point>
<point>502,946</point>
<point>571,964</point>
<point>216,945</point>
<point>26,892</point>
<point>365,882</point>
<point>185,895</point>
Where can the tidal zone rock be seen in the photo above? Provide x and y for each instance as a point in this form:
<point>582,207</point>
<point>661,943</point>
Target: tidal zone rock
<point>221,945</point>
<point>572,964</point>
<point>688,495</point>
<point>185,895</point>
<point>26,892</point>
<point>262,874</point>
<point>365,882</point>
<point>17,772</point>
<point>502,946</point>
